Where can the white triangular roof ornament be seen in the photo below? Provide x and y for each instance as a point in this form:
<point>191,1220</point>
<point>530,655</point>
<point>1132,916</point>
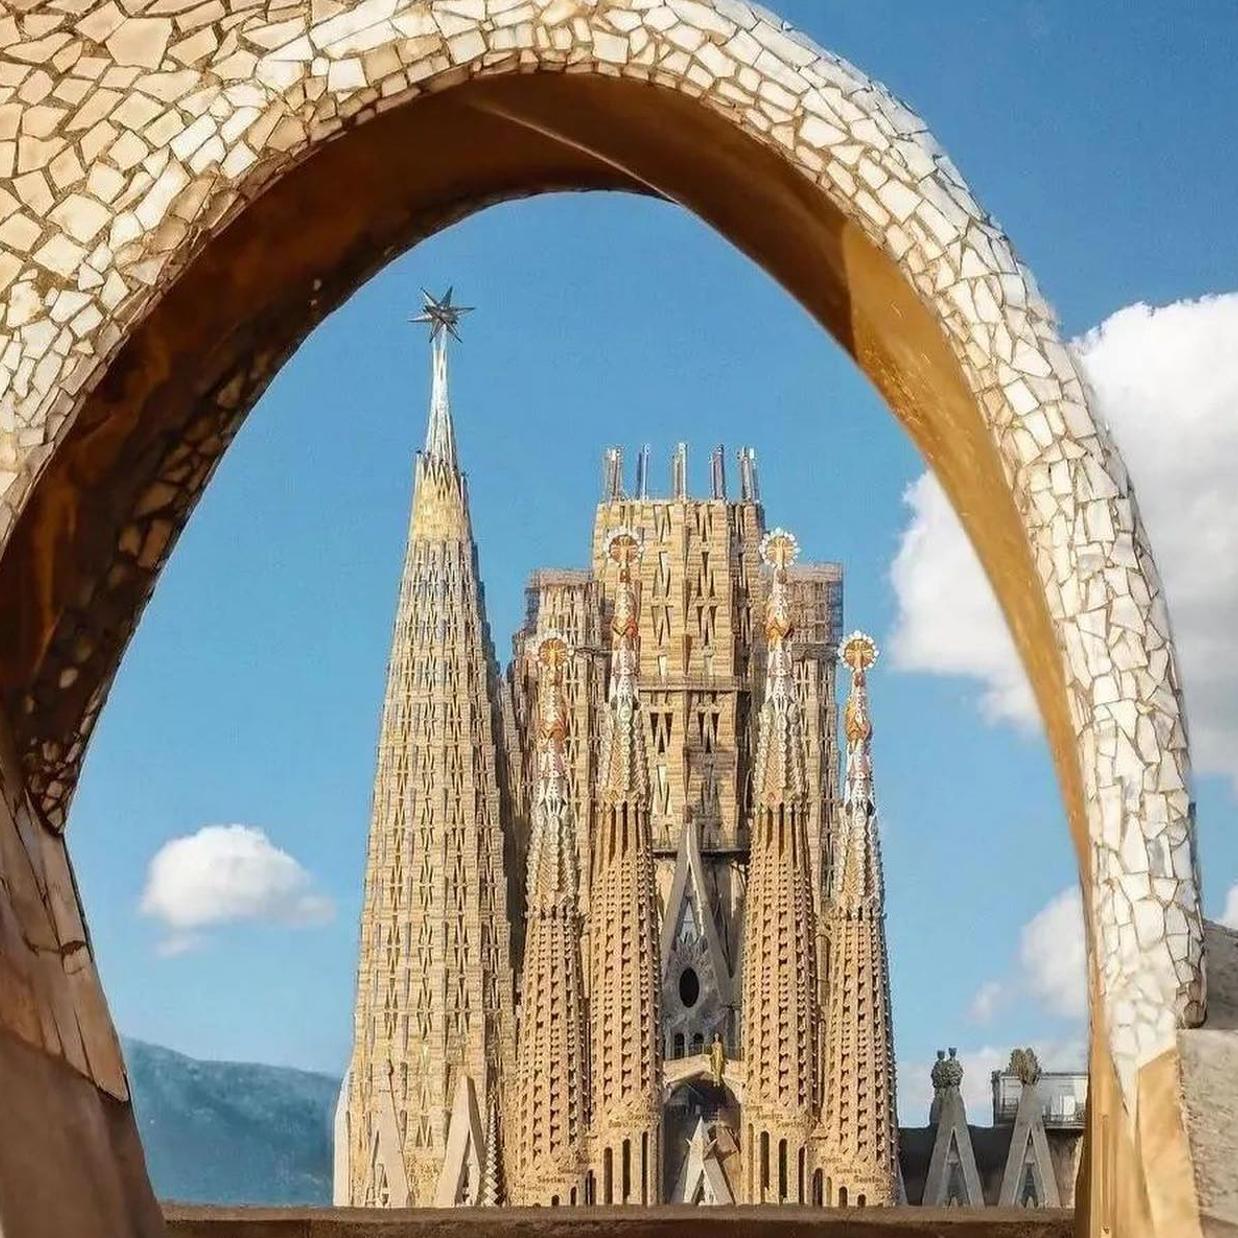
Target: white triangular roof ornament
<point>1029,1151</point>
<point>702,1180</point>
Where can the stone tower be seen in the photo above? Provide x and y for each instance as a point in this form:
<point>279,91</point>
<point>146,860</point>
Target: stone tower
<point>860,1134</point>
<point>780,995</point>
<point>546,1139</point>
<point>626,1037</point>
<point>434,1021</point>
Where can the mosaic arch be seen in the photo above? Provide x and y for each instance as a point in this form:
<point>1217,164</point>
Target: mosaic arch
<point>188,186</point>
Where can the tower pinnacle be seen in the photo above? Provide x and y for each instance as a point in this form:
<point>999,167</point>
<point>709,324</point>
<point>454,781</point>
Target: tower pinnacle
<point>626,1049</point>
<point>858,1116</point>
<point>779,967</point>
<point>549,1132</point>
<point>443,318</point>
<point>434,1022</point>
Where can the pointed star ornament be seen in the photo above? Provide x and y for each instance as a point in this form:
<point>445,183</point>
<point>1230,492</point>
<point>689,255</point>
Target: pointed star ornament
<point>441,314</point>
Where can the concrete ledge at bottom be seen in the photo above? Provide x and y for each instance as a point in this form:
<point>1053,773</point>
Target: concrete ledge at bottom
<point>667,1222</point>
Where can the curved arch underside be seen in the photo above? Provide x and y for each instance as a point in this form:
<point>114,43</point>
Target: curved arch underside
<point>824,180</point>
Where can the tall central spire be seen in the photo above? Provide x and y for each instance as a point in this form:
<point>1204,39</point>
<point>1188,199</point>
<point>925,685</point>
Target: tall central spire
<point>443,319</point>
<point>434,1023</point>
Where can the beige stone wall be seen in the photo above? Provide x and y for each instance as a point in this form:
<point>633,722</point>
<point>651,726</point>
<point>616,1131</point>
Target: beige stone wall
<point>70,1160</point>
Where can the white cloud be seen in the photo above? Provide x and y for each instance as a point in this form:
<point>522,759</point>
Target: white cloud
<point>1229,917</point>
<point>222,874</point>
<point>989,996</point>
<point>1052,964</point>
<point>948,622</point>
<point>1166,380</point>
<point>1053,955</point>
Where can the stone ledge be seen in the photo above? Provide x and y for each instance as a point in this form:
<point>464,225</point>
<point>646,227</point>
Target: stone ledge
<point>665,1222</point>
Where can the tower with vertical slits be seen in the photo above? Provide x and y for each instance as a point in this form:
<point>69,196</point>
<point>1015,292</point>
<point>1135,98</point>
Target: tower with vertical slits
<point>625,1026</point>
<point>434,1022</point>
<point>547,1135</point>
<point>780,1008</point>
<point>859,1118</point>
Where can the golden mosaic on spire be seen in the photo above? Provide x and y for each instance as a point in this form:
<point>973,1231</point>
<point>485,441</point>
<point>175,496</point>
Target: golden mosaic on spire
<point>779,549</point>
<point>858,652</point>
<point>552,656</point>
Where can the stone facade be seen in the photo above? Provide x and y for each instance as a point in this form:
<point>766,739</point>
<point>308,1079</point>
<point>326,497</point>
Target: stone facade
<point>719,874</point>
<point>171,226</point>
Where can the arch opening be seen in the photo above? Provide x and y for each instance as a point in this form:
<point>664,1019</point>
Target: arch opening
<point>122,476</point>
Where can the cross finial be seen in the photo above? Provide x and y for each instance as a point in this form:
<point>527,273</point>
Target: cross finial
<point>859,651</point>
<point>552,653</point>
<point>779,549</point>
<point>441,314</point>
<point>624,547</point>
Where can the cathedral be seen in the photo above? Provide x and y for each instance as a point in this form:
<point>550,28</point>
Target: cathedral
<point>622,938</point>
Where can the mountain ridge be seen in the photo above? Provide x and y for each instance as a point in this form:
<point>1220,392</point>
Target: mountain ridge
<point>232,1132</point>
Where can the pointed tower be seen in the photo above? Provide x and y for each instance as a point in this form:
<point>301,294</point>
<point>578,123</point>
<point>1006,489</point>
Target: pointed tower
<point>433,1025</point>
<point>859,1114</point>
<point>1029,1180</point>
<point>626,1059</point>
<point>779,1011</point>
<point>953,1180</point>
<point>547,1135</point>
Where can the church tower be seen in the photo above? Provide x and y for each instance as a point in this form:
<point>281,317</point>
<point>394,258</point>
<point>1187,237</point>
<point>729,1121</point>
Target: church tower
<point>433,1025</point>
<point>780,998</point>
<point>547,1138</point>
<point>859,1116</point>
<point>626,1058</point>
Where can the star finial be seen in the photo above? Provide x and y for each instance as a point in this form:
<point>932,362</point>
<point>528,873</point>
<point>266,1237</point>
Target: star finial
<point>441,314</point>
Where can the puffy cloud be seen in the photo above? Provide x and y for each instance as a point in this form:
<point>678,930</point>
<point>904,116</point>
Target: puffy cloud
<point>1052,964</point>
<point>989,996</point>
<point>1166,379</point>
<point>1053,955</point>
<point>222,874</point>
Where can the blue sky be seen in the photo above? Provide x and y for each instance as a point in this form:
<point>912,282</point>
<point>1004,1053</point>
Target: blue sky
<point>251,692</point>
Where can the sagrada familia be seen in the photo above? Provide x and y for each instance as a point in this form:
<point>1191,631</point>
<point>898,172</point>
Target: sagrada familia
<point>622,938</point>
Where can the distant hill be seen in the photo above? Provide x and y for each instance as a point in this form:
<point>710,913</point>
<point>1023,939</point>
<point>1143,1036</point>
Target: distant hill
<point>232,1132</point>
